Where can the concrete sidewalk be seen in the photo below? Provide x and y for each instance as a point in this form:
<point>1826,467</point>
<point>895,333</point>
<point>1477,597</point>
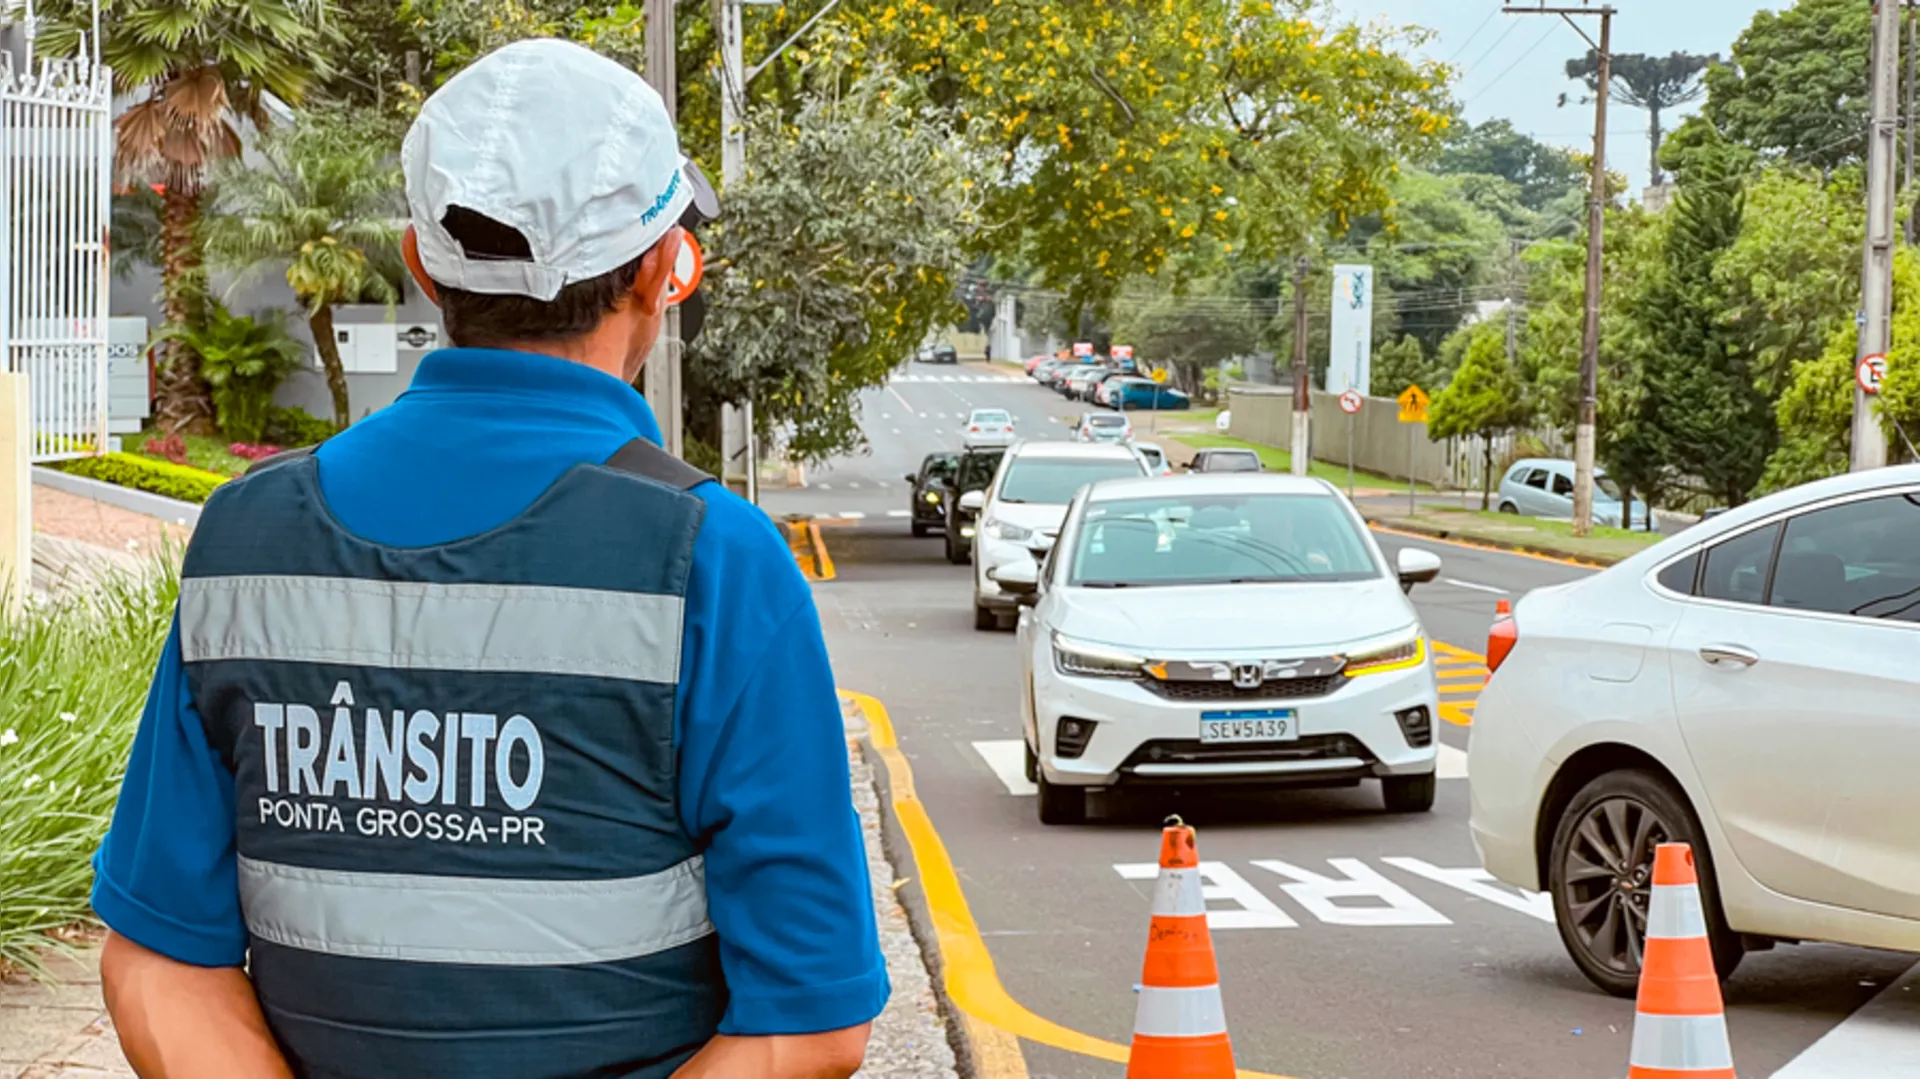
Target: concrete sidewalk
<point>61,1030</point>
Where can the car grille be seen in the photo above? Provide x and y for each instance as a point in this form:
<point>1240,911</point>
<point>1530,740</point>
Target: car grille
<point>1280,689</point>
<point>1312,747</point>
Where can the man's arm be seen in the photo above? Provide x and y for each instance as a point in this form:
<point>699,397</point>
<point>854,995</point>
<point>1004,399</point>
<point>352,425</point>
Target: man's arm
<point>166,884</point>
<point>764,785</point>
<point>179,1021</point>
<point>834,1054</point>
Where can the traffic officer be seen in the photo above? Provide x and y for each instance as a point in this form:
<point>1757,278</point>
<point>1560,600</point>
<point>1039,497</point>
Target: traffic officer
<point>491,741</point>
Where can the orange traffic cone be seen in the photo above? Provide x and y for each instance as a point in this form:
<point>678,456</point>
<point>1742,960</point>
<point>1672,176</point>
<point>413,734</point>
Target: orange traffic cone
<point>1679,1023</point>
<point>1179,1027</point>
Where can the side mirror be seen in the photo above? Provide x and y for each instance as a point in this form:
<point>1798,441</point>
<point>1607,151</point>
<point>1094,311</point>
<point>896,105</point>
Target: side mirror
<point>973,501</point>
<point>911,478</point>
<point>1021,578</point>
<point>1416,566</point>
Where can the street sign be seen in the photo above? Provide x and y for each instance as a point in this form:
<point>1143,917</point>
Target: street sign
<point>1871,370</point>
<point>1350,341</point>
<point>1123,352</point>
<point>689,265</point>
<point>1160,374</point>
<point>1350,401</point>
<point>1413,405</point>
<point>1083,348</point>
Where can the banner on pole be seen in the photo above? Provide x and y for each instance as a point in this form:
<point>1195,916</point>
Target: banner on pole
<point>1350,362</point>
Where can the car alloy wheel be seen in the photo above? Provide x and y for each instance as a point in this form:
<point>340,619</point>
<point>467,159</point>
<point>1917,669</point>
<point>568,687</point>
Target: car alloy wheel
<point>1601,876</point>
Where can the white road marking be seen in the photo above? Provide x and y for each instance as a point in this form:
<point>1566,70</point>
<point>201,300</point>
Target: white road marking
<point>886,415</point>
<point>1452,763</point>
<point>896,430</point>
<point>1882,1038</point>
<point>1480,884</point>
<point>1476,587</point>
<point>855,486</point>
<point>1008,759</point>
<point>1393,905</point>
<point>883,483</point>
<point>899,513</point>
<point>824,486</point>
<point>851,515</point>
<point>1219,881</point>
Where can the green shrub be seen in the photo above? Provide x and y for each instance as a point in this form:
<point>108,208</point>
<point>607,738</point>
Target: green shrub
<point>243,358</point>
<point>296,427</point>
<point>704,457</point>
<point>146,474</point>
<point>73,679</point>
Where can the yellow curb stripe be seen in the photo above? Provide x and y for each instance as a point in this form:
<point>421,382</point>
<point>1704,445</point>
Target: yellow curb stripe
<point>1535,555</point>
<point>971,980</point>
<point>822,564</point>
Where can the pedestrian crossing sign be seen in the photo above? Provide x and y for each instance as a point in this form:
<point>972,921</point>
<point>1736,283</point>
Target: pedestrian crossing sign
<point>1413,405</point>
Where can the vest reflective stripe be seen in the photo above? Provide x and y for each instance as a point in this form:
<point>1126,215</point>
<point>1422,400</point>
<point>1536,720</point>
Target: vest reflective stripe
<point>474,920</point>
<point>411,625</point>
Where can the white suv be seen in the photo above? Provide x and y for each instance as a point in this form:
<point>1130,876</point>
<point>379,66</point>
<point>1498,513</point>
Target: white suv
<point>1020,512</point>
<point>1748,686</point>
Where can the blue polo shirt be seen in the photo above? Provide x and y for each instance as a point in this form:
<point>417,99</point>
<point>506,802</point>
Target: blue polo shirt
<point>763,769</point>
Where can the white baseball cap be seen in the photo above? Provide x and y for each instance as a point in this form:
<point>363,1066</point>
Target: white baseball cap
<point>571,149</point>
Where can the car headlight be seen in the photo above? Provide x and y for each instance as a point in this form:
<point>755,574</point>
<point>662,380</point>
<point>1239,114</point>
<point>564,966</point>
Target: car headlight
<point>1410,651</point>
<point>1008,531</point>
<point>1094,660</point>
<point>933,497</point>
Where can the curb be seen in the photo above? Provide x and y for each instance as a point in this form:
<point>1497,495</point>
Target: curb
<point>1593,561</point>
<point>171,510</point>
<point>808,546</point>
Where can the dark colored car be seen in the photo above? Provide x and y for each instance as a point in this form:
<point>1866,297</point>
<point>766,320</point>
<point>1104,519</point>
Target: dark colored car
<point>974,473</point>
<point>931,487</point>
<point>945,354</point>
<point>1226,461</point>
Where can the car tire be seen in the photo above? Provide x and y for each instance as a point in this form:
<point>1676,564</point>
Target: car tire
<point>1508,507</point>
<point>985,618</point>
<point>1634,791</point>
<point>957,554</point>
<point>1033,761</point>
<point>1409,794</point>
<point>1059,804</point>
<point>919,530</point>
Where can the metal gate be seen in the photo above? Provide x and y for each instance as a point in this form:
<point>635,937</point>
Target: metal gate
<point>56,175</point>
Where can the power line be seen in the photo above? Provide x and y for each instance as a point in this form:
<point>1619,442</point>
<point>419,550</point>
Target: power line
<point>1508,70</point>
<point>1495,45</point>
<point>1470,37</point>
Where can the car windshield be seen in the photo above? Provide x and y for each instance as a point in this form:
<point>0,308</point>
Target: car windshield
<point>941,469</point>
<point>991,416</point>
<point>1053,480</point>
<point>976,469</point>
<point>1153,456</point>
<point>1219,539</point>
<point>1107,420</point>
<point>1607,487</point>
<point>1233,461</point>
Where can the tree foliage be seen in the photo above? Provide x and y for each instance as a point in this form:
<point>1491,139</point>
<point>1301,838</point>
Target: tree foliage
<point>322,202</point>
<point>1792,278</point>
<point>1485,397</point>
<point>1189,335</point>
<point>831,261</point>
<point>1796,83</point>
<point>1642,81</point>
<point>1543,174</point>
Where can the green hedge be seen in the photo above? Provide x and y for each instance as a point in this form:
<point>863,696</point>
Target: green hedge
<point>146,474</point>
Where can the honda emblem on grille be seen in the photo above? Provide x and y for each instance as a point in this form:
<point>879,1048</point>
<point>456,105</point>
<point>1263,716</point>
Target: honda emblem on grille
<point>1248,675</point>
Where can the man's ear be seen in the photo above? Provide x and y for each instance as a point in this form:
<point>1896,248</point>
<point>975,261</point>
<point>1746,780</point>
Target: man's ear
<point>410,252</point>
<point>656,266</point>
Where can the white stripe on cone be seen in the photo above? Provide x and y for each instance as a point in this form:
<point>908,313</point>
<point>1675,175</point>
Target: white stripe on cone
<point>1177,894</point>
<point>1179,1013</point>
<point>1675,913</point>
<point>1681,1042</point>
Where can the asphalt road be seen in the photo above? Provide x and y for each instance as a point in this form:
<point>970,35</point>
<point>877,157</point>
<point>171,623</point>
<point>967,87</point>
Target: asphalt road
<point>1352,944</point>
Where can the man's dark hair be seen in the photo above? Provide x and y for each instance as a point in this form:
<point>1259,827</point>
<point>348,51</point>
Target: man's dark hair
<point>478,320</point>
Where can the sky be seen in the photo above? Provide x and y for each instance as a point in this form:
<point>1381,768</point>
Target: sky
<point>1513,66</point>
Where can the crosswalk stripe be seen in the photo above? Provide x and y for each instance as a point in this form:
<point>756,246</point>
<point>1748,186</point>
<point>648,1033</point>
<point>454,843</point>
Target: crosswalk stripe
<point>1452,763</point>
<point>1881,1038</point>
<point>1008,759</point>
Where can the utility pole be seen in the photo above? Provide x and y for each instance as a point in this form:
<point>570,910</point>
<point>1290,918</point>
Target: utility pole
<point>1302,442</point>
<point>1876,273</point>
<point>1906,115</point>
<point>1585,427</point>
<point>736,424</point>
<point>660,378</point>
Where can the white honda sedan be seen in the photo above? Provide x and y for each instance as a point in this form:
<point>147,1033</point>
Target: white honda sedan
<point>1750,686</point>
<point>1240,629</point>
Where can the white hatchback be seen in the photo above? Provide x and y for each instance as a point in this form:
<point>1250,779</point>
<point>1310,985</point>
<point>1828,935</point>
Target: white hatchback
<point>989,427</point>
<point>1750,686</point>
<point>1239,629</point>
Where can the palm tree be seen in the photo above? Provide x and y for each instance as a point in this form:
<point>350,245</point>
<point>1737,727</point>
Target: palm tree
<point>197,66</point>
<point>325,202</point>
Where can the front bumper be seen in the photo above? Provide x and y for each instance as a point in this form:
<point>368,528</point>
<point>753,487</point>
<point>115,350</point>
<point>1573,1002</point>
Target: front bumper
<point>1348,733</point>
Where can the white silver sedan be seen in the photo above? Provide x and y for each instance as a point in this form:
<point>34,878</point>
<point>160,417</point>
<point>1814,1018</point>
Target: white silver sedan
<point>1200,630</point>
<point>1750,686</point>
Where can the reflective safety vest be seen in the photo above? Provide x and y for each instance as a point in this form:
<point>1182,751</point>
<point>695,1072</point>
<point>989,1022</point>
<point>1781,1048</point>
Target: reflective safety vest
<point>455,794</point>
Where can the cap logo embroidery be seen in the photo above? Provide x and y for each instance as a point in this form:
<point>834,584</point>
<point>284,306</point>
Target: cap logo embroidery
<point>660,203</point>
